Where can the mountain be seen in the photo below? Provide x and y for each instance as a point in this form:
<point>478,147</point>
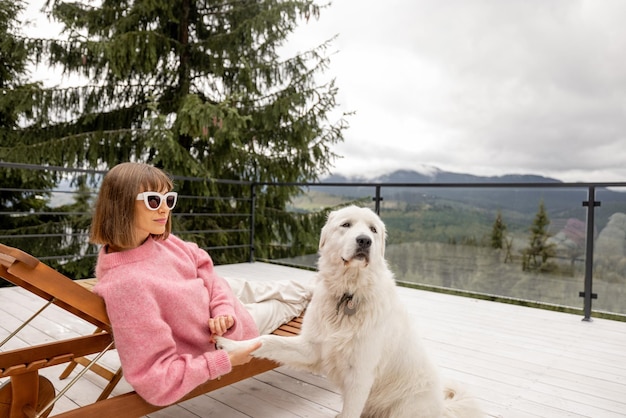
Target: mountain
<point>436,175</point>
<point>558,201</point>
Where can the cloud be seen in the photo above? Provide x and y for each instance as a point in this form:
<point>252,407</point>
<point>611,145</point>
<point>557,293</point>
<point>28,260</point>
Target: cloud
<point>480,86</point>
<point>485,87</point>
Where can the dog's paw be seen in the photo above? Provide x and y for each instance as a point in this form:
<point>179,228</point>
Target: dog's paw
<point>223,343</point>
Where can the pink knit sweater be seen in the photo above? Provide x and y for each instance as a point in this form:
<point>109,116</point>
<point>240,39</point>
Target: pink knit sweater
<point>159,298</point>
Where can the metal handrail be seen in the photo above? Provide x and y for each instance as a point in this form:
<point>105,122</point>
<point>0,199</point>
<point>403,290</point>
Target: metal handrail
<point>590,204</point>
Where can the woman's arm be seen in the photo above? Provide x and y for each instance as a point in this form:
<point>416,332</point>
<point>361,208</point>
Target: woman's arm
<point>222,299</point>
<point>148,351</point>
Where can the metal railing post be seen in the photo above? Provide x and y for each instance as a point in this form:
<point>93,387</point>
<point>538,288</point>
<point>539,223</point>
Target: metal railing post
<point>252,211</point>
<point>588,294</point>
<point>377,200</point>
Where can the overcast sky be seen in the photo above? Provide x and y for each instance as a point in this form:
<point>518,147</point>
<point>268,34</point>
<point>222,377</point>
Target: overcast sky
<point>487,87</point>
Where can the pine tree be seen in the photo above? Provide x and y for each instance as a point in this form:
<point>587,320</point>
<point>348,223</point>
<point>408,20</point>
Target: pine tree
<point>17,101</point>
<point>21,192</point>
<point>536,257</point>
<point>196,88</point>
<point>497,232</point>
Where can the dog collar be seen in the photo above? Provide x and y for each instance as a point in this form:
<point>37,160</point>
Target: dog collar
<point>349,307</point>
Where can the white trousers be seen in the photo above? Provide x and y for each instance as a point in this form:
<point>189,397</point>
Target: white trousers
<point>272,303</point>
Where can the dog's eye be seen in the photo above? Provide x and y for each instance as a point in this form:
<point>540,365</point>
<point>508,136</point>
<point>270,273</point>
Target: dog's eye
<point>345,225</point>
<point>373,229</point>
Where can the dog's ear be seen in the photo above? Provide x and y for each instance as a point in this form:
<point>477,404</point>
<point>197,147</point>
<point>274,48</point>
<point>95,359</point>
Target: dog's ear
<point>383,231</point>
<point>326,229</point>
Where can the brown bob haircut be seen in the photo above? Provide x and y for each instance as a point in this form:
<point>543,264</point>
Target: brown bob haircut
<point>114,214</point>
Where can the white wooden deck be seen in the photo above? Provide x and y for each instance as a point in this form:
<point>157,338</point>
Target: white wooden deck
<point>520,362</point>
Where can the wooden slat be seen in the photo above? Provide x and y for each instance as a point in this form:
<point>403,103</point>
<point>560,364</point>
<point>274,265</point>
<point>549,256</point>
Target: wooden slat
<point>45,355</point>
<point>287,331</point>
<point>131,405</point>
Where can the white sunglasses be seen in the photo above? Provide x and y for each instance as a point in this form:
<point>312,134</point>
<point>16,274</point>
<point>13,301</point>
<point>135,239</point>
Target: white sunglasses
<point>153,200</point>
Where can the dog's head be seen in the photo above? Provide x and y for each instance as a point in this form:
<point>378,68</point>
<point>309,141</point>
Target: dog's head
<point>353,236</point>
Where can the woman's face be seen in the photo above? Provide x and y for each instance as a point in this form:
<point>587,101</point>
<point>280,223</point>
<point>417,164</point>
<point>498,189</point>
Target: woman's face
<point>150,221</point>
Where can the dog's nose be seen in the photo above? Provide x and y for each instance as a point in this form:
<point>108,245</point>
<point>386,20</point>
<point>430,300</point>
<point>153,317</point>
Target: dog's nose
<point>363,241</point>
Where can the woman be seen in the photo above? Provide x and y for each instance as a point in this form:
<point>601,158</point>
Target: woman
<point>162,295</point>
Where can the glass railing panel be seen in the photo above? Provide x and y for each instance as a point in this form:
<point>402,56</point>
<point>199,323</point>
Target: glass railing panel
<point>609,267</point>
<point>445,237</point>
<point>442,236</point>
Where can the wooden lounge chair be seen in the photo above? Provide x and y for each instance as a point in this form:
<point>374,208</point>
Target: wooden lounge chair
<point>27,394</point>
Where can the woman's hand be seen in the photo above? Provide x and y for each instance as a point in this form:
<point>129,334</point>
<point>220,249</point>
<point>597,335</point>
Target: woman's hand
<point>243,355</point>
<point>220,324</point>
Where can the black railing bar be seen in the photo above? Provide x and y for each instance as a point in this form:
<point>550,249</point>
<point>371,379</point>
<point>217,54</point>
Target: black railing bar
<point>67,256</point>
<point>206,231</point>
<point>44,213</point>
<point>51,167</point>
<point>446,185</point>
<point>226,215</point>
<point>179,214</point>
<point>73,256</point>
<point>214,197</point>
<point>43,235</point>
<point>12,189</point>
<point>3,189</point>
<point>226,247</point>
<point>181,232</point>
<point>210,180</point>
<point>210,231</point>
<point>95,171</point>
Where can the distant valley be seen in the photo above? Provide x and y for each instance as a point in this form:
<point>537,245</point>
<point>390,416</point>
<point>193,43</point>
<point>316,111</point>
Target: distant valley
<point>561,202</point>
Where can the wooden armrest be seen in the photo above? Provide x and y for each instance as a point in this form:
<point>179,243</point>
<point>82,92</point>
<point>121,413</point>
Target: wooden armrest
<point>27,272</point>
<point>8,255</point>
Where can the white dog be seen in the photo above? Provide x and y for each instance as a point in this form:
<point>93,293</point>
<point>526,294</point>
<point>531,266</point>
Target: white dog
<point>357,332</point>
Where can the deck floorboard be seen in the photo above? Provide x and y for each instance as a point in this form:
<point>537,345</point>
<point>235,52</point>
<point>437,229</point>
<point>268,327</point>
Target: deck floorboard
<point>520,362</point>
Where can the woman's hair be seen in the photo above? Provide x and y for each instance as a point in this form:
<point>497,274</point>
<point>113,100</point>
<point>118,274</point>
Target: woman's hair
<point>114,213</point>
